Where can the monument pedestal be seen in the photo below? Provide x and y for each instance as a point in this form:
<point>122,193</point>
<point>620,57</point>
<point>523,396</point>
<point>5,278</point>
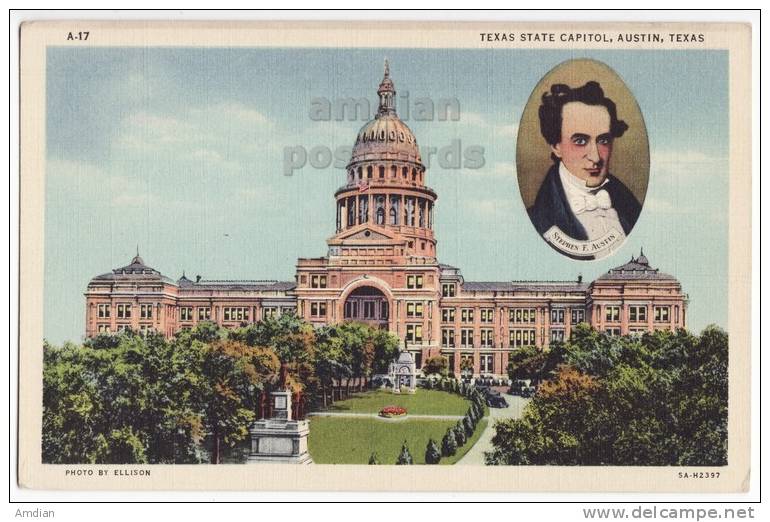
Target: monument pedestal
<point>280,439</point>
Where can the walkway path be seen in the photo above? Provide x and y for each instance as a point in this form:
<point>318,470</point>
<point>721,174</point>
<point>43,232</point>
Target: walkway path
<point>475,456</point>
<point>375,415</point>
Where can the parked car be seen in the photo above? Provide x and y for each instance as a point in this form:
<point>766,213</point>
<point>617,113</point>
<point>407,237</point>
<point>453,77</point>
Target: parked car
<point>494,399</point>
<point>523,388</point>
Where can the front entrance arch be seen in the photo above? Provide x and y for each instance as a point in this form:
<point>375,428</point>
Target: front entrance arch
<point>367,304</point>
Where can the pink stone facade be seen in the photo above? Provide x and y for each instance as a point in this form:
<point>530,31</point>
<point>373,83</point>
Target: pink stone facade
<point>382,269</point>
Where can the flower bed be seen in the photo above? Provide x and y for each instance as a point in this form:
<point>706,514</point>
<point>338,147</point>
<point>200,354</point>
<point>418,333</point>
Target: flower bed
<point>392,411</point>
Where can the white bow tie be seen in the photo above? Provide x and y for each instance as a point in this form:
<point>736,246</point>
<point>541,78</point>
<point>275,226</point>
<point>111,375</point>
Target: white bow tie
<point>589,202</point>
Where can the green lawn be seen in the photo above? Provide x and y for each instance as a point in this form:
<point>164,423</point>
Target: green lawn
<point>350,440</point>
<point>422,402</point>
<point>346,440</point>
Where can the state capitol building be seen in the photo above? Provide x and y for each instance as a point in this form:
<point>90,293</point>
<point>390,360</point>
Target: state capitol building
<point>382,269</point>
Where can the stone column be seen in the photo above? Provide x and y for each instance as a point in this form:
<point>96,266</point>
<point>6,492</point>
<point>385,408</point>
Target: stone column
<point>623,318</point>
<point>567,322</point>
<point>651,317</point>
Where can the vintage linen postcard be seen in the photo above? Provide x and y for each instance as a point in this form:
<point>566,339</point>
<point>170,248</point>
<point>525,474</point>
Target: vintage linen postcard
<point>385,256</point>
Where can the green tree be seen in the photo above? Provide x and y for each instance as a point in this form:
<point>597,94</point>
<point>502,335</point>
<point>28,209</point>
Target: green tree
<point>231,375</point>
<point>436,365</point>
<point>656,399</point>
<point>449,443</point>
<point>404,457</point>
<point>468,426</point>
<point>432,454</point>
<point>459,431</point>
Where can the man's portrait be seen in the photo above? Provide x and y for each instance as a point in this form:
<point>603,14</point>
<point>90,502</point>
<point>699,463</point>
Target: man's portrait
<point>581,208</point>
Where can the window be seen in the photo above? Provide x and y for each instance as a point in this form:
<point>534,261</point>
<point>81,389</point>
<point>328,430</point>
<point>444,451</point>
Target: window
<point>486,361</point>
<point>318,281</point>
<point>236,313</point>
<point>447,289</point>
<point>557,335</point>
<point>414,309</point>
<point>351,204</point>
<point>123,327</point>
<point>487,338</point>
<point>103,328</point>
<point>393,213</point>
<point>363,207</point>
<point>612,331</point>
<point>662,314</point>
<point>103,311</point>
<point>145,311</point>
<point>448,338</point>
<point>409,212</point>
<point>578,316</point>
<point>414,333</point>
<point>447,315</point>
<point>557,316</point>
<point>185,313</point>
<point>124,311</point>
<point>145,329</point>
<point>487,315</point>
<point>351,309</point>
<point>368,309</point>
<point>288,310</point>
<point>520,337</point>
<point>414,281</point>
<point>269,312</point>
<point>204,313</point>
<point>466,338</point>
<point>466,315</point>
<point>380,210</point>
<point>612,313</point>
<point>637,313</point>
<point>521,315</point>
<point>318,309</point>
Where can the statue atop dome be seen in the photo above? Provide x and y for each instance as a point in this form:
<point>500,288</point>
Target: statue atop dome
<point>387,93</point>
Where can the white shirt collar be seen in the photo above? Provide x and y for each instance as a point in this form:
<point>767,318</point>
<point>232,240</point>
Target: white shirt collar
<point>575,186</point>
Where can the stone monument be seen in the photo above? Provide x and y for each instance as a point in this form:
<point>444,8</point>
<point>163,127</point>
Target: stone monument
<point>403,372</point>
<point>278,436</point>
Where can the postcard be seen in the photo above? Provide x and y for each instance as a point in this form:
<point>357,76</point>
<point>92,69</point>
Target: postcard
<point>389,256</point>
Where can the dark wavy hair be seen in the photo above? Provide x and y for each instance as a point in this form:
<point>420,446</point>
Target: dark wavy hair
<point>554,101</point>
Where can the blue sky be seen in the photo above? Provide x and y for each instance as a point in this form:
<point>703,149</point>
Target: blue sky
<point>181,151</point>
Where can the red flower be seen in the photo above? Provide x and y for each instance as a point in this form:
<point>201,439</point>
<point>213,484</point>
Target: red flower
<point>392,411</point>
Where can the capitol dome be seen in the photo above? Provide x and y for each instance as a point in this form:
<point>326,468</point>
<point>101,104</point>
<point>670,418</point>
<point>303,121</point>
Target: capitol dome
<point>386,136</point>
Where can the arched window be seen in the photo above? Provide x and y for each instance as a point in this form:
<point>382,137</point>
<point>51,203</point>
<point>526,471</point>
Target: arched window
<point>409,212</point>
<point>404,172</point>
<point>363,209</point>
<point>369,172</point>
<point>379,215</point>
<point>351,211</point>
<point>414,174</point>
<point>382,172</point>
<point>393,171</point>
<point>395,204</point>
<point>421,222</point>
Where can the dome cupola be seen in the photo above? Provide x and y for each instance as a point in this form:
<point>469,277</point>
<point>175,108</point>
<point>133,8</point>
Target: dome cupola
<point>386,137</point>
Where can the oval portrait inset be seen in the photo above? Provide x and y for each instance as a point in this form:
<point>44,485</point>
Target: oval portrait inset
<point>583,159</point>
